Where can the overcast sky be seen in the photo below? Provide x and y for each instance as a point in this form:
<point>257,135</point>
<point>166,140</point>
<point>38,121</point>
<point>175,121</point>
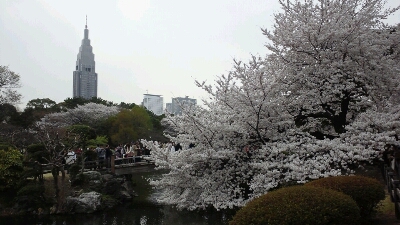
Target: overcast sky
<point>140,46</point>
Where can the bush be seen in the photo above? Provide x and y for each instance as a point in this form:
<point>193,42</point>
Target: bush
<point>299,205</point>
<point>37,152</point>
<point>31,189</point>
<point>74,170</point>
<point>366,192</point>
<point>78,180</point>
<point>30,196</point>
<point>11,168</point>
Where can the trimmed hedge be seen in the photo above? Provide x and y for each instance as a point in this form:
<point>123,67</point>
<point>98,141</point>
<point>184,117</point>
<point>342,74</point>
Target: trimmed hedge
<point>366,192</point>
<point>299,205</point>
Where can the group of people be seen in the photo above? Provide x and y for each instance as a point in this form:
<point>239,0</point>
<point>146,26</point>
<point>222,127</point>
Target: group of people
<point>104,155</point>
<point>128,150</point>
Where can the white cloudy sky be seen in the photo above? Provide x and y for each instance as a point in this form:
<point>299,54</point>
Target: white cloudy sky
<point>140,46</point>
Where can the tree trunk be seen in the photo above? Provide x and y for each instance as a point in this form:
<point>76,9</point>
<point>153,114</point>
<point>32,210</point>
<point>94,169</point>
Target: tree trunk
<point>54,172</point>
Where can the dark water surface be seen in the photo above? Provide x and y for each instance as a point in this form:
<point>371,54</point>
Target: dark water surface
<point>142,211</point>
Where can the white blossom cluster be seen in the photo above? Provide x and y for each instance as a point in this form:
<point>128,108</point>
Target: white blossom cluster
<point>88,114</point>
<point>321,104</point>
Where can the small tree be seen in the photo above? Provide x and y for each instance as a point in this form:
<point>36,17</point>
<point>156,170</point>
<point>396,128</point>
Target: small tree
<point>57,142</point>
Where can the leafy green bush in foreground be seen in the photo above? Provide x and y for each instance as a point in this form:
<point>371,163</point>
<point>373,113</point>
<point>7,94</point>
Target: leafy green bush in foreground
<point>367,192</point>
<point>299,205</point>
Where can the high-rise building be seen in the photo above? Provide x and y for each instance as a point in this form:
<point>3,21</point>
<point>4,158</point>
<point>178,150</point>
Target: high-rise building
<point>153,103</point>
<point>179,102</point>
<point>85,76</point>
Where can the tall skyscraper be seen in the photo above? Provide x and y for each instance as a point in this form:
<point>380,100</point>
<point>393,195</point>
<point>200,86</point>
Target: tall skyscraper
<point>85,76</point>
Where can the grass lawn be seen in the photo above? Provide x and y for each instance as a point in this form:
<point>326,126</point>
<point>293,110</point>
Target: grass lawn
<point>50,192</point>
<point>386,213</point>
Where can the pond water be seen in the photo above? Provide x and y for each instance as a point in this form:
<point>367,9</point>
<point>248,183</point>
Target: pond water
<point>142,211</point>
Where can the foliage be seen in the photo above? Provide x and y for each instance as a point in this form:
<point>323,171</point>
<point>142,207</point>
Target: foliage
<point>130,125</point>
<point>84,132</point>
<point>8,113</point>
<point>71,103</point>
<point>299,205</point>
<point>31,189</point>
<point>27,118</point>
<point>31,196</point>
<point>317,106</point>
<point>74,170</point>
<point>366,192</point>
<point>99,140</point>
<point>98,100</point>
<point>9,81</point>
<point>37,152</point>
<point>42,103</point>
<point>127,105</point>
<point>4,146</point>
<point>10,168</point>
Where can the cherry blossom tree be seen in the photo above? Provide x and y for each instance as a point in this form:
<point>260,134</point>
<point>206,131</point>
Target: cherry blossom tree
<point>318,105</point>
<point>87,114</point>
<point>9,81</point>
<point>336,60</point>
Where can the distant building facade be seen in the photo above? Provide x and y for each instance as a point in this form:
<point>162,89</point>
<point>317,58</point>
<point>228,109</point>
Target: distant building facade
<point>175,107</point>
<point>85,76</point>
<point>168,107</point>
<point>154,103</point>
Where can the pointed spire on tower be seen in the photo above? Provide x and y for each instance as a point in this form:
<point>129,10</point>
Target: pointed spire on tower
<point>86,31</point>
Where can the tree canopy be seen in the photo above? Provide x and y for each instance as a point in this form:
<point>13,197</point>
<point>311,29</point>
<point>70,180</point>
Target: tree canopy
<point>130,125</point>
<point>320,104</point>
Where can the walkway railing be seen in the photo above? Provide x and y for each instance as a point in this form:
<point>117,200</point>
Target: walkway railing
<point>391,174</point>
<point>114,163</point>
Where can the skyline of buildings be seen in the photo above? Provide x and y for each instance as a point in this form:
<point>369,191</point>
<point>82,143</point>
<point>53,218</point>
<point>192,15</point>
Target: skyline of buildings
<point>85,81</point>
<point>155,104</point>
<point>85,76</point>
<point>175,107</point>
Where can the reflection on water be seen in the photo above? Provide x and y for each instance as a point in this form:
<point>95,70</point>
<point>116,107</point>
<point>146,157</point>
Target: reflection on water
<point>142,211</point>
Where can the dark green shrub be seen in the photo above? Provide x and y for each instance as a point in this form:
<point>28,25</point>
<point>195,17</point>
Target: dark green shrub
<point>11,168</point>
<point>30,196</point>
<point>299,205</point>
<point>78,180</point>
<point>4,146</point>
<point>37,152</point>
<point>31,189</point>
<point>73,170</point>
<point>90,155</point>
<point>367,192</point>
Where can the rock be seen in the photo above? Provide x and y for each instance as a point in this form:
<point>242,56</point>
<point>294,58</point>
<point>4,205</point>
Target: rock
<point>86,203</point>
<point>92,175</point>
<point>128,185</point>
<point>108,202</point>
<point>112,186</point>
<point>107,177</point>
<point>124,196</point>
